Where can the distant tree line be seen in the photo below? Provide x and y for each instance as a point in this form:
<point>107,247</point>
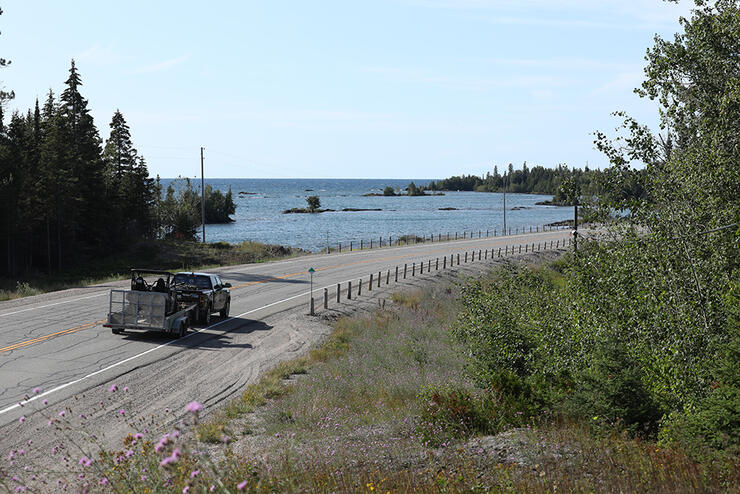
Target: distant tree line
<point>535,180</point>
<point>67,196</point>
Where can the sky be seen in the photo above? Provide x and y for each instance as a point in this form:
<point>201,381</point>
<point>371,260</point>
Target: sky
<point>345,88</point>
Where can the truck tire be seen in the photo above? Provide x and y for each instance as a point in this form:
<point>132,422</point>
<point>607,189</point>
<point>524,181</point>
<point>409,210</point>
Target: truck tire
<point>115,331</point>
<point>224,313</point>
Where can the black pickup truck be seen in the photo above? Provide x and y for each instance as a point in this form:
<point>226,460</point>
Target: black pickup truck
<point>207,291</point>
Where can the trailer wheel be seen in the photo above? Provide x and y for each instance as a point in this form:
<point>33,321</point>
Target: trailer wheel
<point>224,313</point>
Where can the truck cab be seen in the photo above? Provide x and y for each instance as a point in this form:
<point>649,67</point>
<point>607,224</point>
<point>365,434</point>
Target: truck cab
<point>206,290</point>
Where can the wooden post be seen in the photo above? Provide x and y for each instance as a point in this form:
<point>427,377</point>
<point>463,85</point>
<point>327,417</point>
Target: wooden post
<point>486,233</point>
<point>507,250</point>
<point>479,251</point>
<point>526,246</point>
<point>360,244</point>
<point>405,269</point>
<point>458,258</point>
<point>349,290</point>
<point>429,265</point>
<point>413,269</point>
<point>520,248</point>
<point>350,246</point>
<point>396,274</point>
<point>421,267</point>
<point>370,285</point>
<point>388,278</point>
<point>339,288</point>
<point>326,298</point>
<point>499,252</point>
<point>437,266</point>
<point>379,274</point>
<point>359,287</point>
<point>466,256</point>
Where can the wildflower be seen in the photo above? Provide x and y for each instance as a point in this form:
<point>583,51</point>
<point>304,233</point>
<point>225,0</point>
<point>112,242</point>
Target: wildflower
<point>103,481</point>
<point>122,412</point>
<point>51,421</point>
<point>36,391</point>
<point>125,389</point>
<point>143,478</point>
<point>113,388</point>
<point>167,461</point>
<point>21,452</point>
<point>11,455</point>
<point>62,413</point>
<point>194,407</point>
<point>45,402</point>
<point>241,485</point>
<point>22,419</point>
<point>138,436</point>
<point>129,453</point>
<point>212,488</point>
<point>194,474</point>
<point>185,489</point>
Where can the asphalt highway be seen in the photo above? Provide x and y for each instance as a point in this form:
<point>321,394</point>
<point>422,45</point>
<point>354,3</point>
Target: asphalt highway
<point>56,342</point>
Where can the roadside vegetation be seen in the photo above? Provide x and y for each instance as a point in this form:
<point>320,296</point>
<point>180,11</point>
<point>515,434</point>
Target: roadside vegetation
<point>162,254</point>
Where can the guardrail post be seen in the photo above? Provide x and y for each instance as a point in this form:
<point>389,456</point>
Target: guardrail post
<point>388,278</point>
<point>349,290</point>
<point>359,287</point>
<point>520,248</point>
<point>370,285</point>
<point>396,274</point>
<point>436,268</point>
<point>326,298</point>
<point>550,244</point>
<point>506,252</point>
<point>379,274</point>
<point>486,255</point>
<point>466,256</point>
<point>421,267</point>
<point>444,262</point>
<point>429,265</point>
<point>339,288</point>
<point>405,268</point>
<point>499,252</point>
<point>413,269</point>
<point>526,246</point>
<point>458,258</point>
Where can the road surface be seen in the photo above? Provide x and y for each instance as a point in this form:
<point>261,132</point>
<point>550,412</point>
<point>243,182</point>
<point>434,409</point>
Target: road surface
<point>56,342</point>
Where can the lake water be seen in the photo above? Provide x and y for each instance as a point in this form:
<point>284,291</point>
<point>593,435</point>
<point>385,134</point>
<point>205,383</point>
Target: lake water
<point>259,214</point>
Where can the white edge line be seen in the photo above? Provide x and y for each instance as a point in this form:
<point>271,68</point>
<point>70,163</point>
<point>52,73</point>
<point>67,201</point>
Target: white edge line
<point>57,303</point>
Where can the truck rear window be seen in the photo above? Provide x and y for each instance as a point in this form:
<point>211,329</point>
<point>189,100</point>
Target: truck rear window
<point>198,281</point>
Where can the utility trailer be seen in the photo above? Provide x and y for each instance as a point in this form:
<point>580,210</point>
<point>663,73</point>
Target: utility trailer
<point>148,306</point>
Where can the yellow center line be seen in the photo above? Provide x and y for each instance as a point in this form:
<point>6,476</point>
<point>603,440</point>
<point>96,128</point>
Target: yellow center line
<point>40,339</point>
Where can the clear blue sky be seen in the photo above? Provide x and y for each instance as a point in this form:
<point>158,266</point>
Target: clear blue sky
<point>344,89</point>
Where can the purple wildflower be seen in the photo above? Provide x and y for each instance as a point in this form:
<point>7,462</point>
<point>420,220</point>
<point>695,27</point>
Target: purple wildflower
<point>194,474</point>
<point>62,413</point>
<point>241,485</point>
<point>22,419</point>
<point>113,388</point>
<point>125,389</point>
<point>36,391</point>
<point>122,412</point>
<point>194,407</point>
<point>45,402</point>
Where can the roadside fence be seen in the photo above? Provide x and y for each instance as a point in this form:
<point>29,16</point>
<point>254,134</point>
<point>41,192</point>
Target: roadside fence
<point>413,239</point>
<point>447,262</point>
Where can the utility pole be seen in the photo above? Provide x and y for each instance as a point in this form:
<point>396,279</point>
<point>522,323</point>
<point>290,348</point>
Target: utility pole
<point>202,196</point>
<point>504,203</point>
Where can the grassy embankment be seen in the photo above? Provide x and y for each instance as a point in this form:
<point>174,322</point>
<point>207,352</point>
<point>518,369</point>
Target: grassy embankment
<point>158,254</point>
<point>386,404</point>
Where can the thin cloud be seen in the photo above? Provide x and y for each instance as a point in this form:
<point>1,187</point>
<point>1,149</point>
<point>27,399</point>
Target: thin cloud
<point>161,66</point>
<point>623,82</point>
